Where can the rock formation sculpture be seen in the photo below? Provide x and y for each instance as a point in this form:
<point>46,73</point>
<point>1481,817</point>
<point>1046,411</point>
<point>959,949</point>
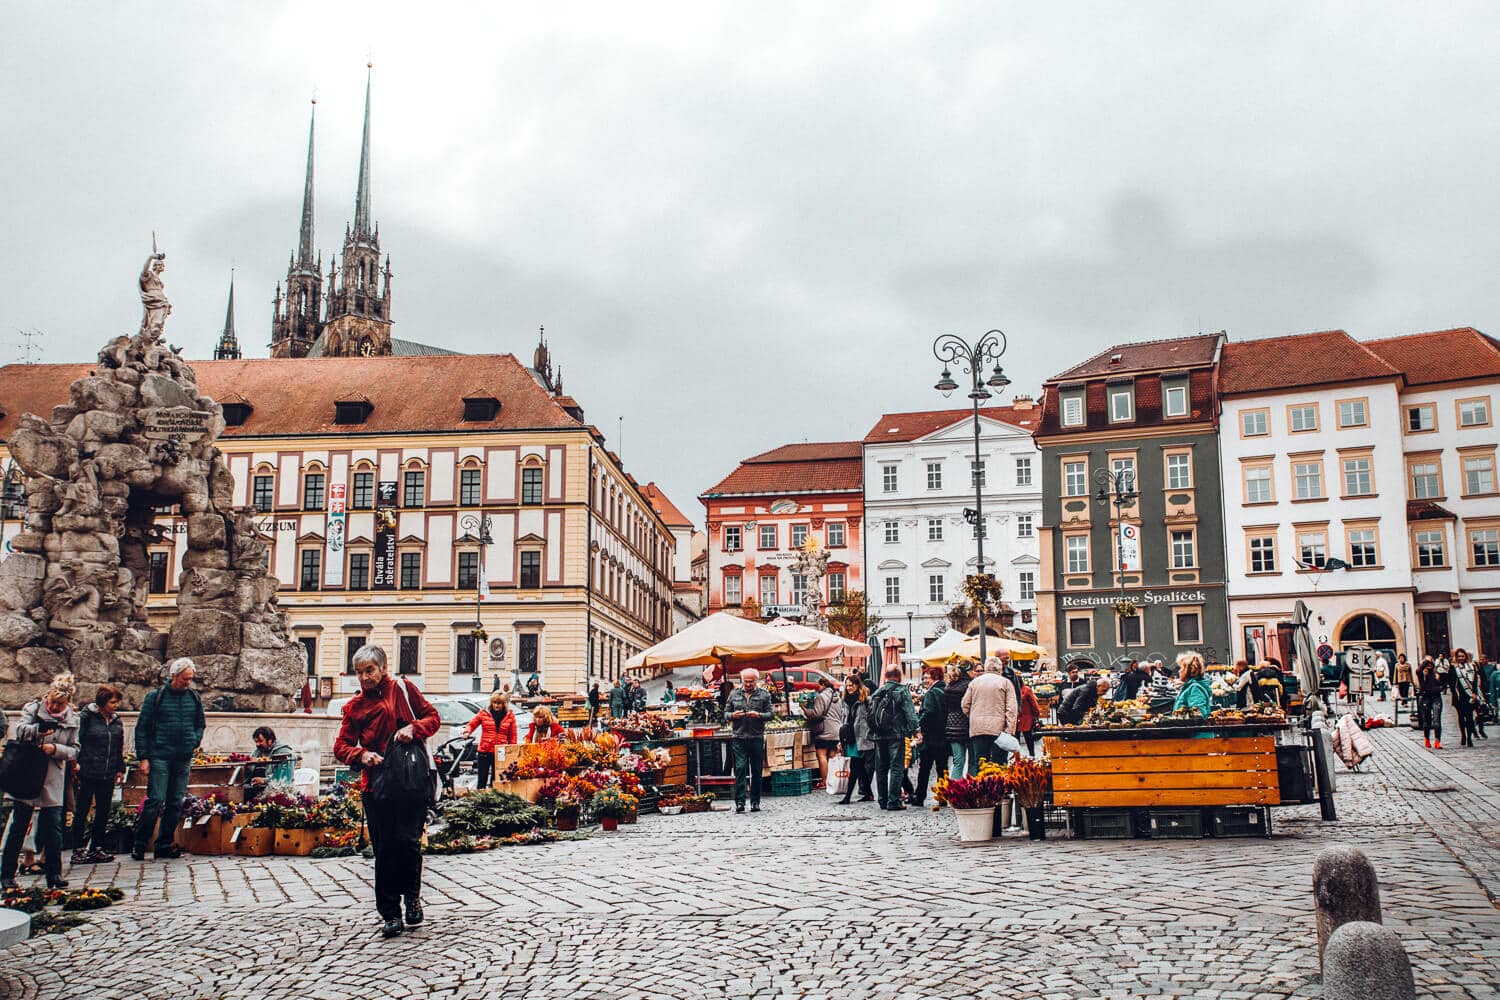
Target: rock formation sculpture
<point>136,436</point>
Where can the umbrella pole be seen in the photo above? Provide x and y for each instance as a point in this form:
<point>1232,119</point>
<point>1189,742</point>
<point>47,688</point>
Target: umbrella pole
<point>786,691</point>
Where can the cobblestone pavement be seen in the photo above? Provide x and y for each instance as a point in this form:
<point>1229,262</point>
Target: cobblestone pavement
<point>810,899</point>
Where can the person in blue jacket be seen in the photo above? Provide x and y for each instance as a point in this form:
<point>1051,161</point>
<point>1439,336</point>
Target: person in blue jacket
<point>1195,692</point>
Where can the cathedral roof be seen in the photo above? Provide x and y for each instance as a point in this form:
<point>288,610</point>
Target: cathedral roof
<point>399,349</point>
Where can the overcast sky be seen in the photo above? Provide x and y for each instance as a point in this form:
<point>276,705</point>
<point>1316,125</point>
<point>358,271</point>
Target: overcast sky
<point>744,225</point>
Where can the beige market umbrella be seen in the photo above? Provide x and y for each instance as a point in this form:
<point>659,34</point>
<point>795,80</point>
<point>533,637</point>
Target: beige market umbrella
<point>720,638</point>
<point>826,645</point>
<point>968,648</point>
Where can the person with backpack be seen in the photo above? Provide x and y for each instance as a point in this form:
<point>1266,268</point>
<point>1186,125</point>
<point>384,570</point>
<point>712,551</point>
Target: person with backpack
<point>892,720</point>
<point>168,730</point>
<point>51,724</point>
<point>932,740</point>
<point>390,719</point>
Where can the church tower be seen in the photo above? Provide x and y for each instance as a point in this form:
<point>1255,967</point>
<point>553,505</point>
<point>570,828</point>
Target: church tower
<point>358,320</point>
<point>294,318</point>
<point>228,348</point>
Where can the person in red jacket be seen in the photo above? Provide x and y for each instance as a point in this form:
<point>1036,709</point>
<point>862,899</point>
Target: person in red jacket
<point>497,728</point>
<point>1028,717</point>
<point>387,708</point>
<point>543,726</point>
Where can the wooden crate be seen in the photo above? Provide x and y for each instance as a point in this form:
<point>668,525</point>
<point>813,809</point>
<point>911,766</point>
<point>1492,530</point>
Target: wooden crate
<point>1130,773</point>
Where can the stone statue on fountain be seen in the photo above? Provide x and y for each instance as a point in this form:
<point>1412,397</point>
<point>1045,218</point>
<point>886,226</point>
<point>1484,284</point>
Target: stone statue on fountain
<point>812,562</point>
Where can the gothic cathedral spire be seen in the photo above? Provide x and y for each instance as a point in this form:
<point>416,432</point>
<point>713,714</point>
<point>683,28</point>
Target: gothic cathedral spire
<point>295,322</point>
<point>228,348</point>
<point>358,321</point>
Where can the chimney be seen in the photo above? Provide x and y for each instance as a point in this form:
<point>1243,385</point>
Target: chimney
<point>1022,403</point>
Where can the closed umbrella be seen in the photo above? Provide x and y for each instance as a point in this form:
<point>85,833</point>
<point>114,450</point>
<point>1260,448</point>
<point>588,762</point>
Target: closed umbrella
<point>1302,649</point>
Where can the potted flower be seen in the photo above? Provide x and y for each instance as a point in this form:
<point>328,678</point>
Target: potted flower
<point>1031,780</point>
<point>1126,608</point>
<point>611,805</point>
<point>973,801</point>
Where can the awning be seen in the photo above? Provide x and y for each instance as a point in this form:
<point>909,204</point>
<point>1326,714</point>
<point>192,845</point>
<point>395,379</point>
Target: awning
<point>719,639</point>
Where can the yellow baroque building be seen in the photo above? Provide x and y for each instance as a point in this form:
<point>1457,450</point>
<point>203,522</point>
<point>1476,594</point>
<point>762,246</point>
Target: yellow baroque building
<point>398,492</point>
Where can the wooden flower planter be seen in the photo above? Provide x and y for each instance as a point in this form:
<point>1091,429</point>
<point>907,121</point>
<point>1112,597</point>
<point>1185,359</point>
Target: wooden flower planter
<point>254,842</point>
<point>527,788</point>
<point>296,843</point>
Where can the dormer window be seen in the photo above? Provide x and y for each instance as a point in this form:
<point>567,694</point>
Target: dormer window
<point>481,409</point>
<point>1121,404</point>
<point>235,414</point>
<point>354,411</point>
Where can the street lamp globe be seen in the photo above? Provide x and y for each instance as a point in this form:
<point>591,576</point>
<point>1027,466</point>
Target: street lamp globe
<point>998,379</point>
<point>945,384</point>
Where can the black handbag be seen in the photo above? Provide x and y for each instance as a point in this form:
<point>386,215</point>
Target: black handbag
<point>23,770</point>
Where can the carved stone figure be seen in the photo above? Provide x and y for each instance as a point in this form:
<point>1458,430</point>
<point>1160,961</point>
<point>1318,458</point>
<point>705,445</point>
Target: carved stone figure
<point>154,298</point>
<point>812,562</point>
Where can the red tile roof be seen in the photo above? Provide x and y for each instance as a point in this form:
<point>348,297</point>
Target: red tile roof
<point>1426,510</point>
<point>911,426</point>
<point>1297,361</point>
<point>1441,356</point>
<point>1148,355</point>
<point>665,509</point>
<point>822,467</point>
<point>296,396</point>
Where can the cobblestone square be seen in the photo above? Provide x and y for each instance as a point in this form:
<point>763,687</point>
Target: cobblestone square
<point>811,899</point>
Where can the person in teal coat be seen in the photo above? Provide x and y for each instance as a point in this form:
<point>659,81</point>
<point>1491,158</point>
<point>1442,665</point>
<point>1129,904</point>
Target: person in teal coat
<point>1195,692</point>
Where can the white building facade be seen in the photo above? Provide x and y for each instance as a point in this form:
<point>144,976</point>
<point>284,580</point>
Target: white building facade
<point>919,547</point>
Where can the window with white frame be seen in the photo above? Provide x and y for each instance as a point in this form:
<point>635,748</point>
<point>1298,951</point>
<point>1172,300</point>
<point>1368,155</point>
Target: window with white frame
<point>799,588</point>
<point>1075,479</point>
<point>1189,626</point>
<point>892,532</point>
<point>1425,481</point>
<point>1312,547</point>
<point>1183,550</point>
<point>732,539</point>
<point>1023,470</point>
<point>893,590</point>
<point>1352,413</point>
<point>1473,412</point>
<point>935,588</point>
<point>1430,552</point>
<point>1263,554</point>
<point>1485,545</point>
<point>1303,417</point>
<point>1253,423</point>
<point>799,535</point>
<point>836,592</point>
<point>1362,548</point>
<point>1123,468</point>
<point>1479,475</point>
<point>934,529</point>
<point>1081,630</point>
<point>835,534</point>
<point>1023,526</point>
<point>1307,479</point>
<point>934,475</point>
<point>976,474</point>
<point>1176,401</point>
<point>1078,553</point>
<point>768,590</point>
<point>1179,472</point>
<point>888,478</point>
<point>1072,411</point>
<point>1121,405</point>
<point>1257,484</point>
<point>1027,588</point>
<point>1357,482</point>
<point>768,536</point>
<point>1422,417</point>
<point>731,588</point>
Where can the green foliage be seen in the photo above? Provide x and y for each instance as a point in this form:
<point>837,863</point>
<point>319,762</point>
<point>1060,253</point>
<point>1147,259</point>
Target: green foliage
<point>613,802</point>
<point>491,814</point>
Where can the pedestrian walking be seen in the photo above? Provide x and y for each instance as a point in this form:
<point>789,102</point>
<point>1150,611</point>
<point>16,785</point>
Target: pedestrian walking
<point>168,730</point>
<point>749,709</point>
<point>992,706</point>
<point>594,702</point>
<point>1464,683</point>
<point>1430,685</point>
<point>497,728</point>
<point>1403,676</point>
<point>892,720</point>
<point>824,716</point>
<point>388,711</point>
<point>855,738</point>
<point>957,725</point>
<point>51,723</point>
<point>1382,676</point>
<point>1029,718</point>
<point>932,734</point>
<point>101,766</point>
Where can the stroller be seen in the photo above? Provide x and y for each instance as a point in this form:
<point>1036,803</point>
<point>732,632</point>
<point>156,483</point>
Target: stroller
<point>450,759</point>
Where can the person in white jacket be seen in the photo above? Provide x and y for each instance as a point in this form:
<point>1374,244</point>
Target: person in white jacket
<point>990,703</point>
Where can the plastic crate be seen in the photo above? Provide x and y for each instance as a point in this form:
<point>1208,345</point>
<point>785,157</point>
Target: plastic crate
<point>1241,821</point>
<point>1105,824</point>
<point>1173,824</point>
<point>794,782</point>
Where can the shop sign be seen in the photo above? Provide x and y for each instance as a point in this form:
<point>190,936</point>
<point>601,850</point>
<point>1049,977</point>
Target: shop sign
<point>1145,598</point>
<point>1130,548</point>
<point>333,562</point>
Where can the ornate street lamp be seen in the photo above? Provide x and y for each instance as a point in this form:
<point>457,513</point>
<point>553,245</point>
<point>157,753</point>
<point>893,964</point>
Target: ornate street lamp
<point>971,360</point>
<point>1117,489</point>
<point>476,528</point>
<point>12,498</point>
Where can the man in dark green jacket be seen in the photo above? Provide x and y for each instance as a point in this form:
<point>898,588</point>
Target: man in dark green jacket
<point>169,729</point>
<point>890,739</point>
<point>748,710</point>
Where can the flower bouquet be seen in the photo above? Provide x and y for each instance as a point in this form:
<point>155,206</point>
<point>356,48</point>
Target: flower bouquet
<point>973,800</point>
<point>611,805</point>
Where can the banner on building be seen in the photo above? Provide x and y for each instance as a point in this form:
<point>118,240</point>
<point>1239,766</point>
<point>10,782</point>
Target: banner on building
<point>484,580</point>
<point>1130,548</point>
<point>385,536</point>
<point>333,559</point>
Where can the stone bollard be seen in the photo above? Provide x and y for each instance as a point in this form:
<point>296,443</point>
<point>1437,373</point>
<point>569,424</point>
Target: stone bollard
<point>1344,888</point>
<point>1365,961</point>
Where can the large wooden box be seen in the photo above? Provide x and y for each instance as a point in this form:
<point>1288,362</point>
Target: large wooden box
<point>1176,771</point>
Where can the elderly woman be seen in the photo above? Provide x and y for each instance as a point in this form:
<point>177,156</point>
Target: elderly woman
<point>50,723</point>
<point>497,728</point>
<point>824,717</point>
<point>991,705</point>
<point>1195,692</point>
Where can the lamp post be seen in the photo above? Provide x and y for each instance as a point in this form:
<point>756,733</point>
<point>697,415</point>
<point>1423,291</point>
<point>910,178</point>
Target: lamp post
<point>476,528</point>
<point>971,359</point>
<point>1117,489</point>
<point>907,652</point>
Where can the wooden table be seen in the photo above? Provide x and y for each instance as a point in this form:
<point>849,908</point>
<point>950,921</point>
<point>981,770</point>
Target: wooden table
<point>1170,766</point>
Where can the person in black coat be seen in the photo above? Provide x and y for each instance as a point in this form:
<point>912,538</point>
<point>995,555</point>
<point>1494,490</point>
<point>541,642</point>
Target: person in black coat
<point>956,722</point>
<point>1079,701</point>
<point>1132,680</point>
<point>101,763</point>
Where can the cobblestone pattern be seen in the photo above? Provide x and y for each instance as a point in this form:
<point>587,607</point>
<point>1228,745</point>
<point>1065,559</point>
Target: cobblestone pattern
<point>810,899</point>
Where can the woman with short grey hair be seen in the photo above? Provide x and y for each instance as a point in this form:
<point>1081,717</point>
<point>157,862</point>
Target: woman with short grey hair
<point>51,723</point>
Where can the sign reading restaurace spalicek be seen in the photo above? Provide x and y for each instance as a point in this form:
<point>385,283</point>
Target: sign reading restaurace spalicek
<point>1144,598</point>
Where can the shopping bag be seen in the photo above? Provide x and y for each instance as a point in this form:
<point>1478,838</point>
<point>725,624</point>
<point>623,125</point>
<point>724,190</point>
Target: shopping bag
<point>1008,743</point>
<point>838,780</point>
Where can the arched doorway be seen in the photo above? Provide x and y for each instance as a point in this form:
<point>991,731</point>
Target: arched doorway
<point>1365,628</point>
